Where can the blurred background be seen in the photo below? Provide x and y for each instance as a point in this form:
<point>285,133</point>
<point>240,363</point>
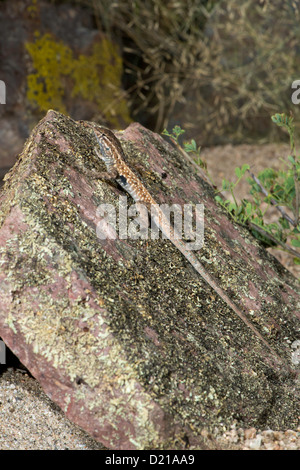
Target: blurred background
<point>219,69</point>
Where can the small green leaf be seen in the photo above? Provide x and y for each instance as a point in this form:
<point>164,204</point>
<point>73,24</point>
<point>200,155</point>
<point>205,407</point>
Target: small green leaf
<point>275,118</point>
<point>282,119</point>
<point>232,207</point>
<point>291,159</point>
<point>296,243</point>
<point>178,131</point>
<point>193,143</point>
<point>244,168</point>
<point>190,146</point>
<point>238,172</point>
<point>284,223</point>
<point>225,185</point>
<point>248,208</point>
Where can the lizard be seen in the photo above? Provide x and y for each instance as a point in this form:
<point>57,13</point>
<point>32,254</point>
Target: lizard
<point>110,151</point>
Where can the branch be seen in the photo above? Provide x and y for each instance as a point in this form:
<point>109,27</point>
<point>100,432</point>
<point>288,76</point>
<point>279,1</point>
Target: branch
<point>261,230</point>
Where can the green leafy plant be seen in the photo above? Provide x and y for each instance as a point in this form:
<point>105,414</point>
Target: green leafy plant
<point>271,188</point>
<point>188,147</point>
<point>280,189</point>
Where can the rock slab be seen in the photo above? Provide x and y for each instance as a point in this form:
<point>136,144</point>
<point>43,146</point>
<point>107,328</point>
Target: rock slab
<point>123,334</point>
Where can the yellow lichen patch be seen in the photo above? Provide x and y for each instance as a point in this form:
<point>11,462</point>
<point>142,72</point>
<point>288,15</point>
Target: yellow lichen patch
<point>51,60</point>
<point>95,77</point>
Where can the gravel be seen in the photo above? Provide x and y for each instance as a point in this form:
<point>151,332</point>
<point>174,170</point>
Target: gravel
<point>29,420</point>
<point>253,439</point>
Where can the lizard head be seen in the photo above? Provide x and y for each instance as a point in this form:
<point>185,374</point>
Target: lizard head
<point>110,148</point>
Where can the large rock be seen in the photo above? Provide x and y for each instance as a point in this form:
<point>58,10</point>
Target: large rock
<point>124,335</point>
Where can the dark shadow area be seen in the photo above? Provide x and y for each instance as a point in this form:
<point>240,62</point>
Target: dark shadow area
<point>9,359</point>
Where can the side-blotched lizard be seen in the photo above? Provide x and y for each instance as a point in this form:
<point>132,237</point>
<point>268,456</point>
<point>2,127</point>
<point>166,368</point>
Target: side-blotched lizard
<point>110,151</point>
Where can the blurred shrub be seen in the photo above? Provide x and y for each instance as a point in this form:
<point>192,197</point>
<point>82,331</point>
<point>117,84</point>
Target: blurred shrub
<point>252,57</point>
<point>217,68</point>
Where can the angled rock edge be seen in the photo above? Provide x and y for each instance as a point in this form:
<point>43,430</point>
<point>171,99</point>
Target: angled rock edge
<point>123,334</point>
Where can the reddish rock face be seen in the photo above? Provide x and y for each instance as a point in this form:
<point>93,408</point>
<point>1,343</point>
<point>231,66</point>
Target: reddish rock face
<point>122,333</point>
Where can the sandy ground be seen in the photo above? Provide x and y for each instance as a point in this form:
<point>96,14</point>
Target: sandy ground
<point>30,420</point>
